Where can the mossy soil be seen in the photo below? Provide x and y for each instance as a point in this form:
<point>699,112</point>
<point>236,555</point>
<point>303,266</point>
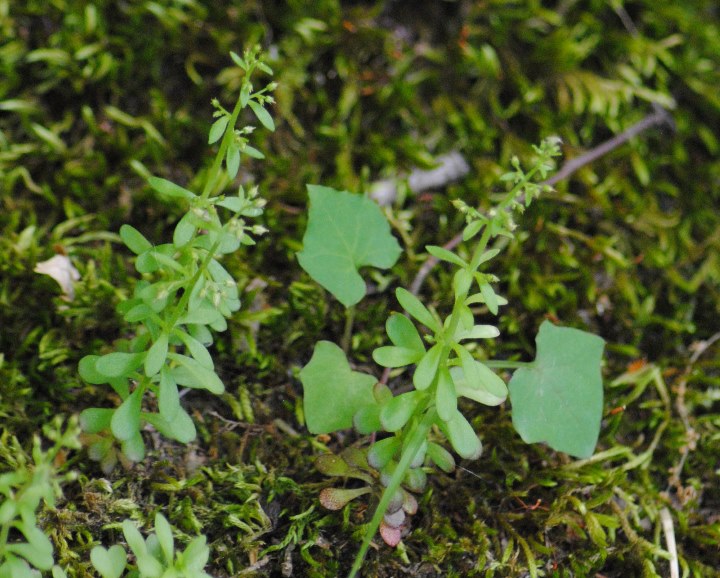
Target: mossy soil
<point>96,96</point>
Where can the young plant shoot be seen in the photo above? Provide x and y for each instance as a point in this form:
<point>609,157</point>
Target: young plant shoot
<point>556,399</point>
<point>184,294</point>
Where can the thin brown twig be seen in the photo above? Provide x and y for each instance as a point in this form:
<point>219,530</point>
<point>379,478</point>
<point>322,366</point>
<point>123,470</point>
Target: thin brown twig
<point>658,118</point>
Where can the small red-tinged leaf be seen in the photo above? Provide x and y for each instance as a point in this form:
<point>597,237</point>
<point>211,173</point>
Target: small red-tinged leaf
<point>337,498</point>
<point>391,536</point>
<point>395,519</point>
<point>410,504</point>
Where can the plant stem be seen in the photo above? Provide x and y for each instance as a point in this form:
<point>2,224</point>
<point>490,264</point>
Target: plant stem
<point>347,332</point>
<point>417,437</point>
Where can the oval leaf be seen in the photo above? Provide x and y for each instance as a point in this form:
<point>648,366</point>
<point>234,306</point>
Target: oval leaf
<point>414,307</point>
<point>134,239</point>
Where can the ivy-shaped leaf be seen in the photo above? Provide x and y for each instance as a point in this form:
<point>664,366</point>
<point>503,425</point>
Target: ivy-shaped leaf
<point>345,232</point>
<point>333,391</point>
<point>558,399</point>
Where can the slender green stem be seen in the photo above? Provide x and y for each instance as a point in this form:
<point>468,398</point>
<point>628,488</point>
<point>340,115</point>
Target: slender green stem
<point>417,437</point>
<point>214,173</point>
<point>347,332</point>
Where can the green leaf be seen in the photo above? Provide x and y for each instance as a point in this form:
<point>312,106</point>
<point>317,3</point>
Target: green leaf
<point>109,562</point>
<point>89,372</point>
<point>134,448</point>
<point>156,355</point>
<point>238,60</point>
<point>402,332</point>
<point>445,255</point>
<point>95,419</point>
<point>345,232</point>
<point>333,391</point>
<point>382,451</point>
<point>170,189</point>
<point>195,557</point>
<point>232,160</point>
<point>477,391</point>
<point>391,356</point>
<point>193,374</point>
<point>462,437</point>
<point>125,422</point>
<point>414,307</point>
<point>427,367</point>
<point>490,297</point>
<point>197,350</point>
<point>445,395</point>
<point>180,428</point>
<point>118,363</point>
<point>367,420</point>
<point>134,240</point>
<point>442,458</point>
<point>559,398</point>
<point>168,396</point>
<point>38,550</point>
<point>165,537</point>
<point>184,230</point>
<point>262,115</point>
<point>217,130</point>
<point>396,413</point>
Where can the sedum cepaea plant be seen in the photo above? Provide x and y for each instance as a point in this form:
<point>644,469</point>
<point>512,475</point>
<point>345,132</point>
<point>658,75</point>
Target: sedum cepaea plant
<point>155,556</point>
<point>25,550</point>
<point>184,294</point>
<point>557,398</point>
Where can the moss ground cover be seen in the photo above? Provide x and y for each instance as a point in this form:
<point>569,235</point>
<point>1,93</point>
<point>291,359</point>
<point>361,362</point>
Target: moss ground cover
<point>95,97</point>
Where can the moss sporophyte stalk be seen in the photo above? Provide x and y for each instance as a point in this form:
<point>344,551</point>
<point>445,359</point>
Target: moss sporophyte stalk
<point>564,379</point>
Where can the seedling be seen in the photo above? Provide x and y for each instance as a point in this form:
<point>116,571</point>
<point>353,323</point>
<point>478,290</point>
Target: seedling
<point>556,399</point>
<point>184,294</point>
<point>155,556</point>
<point>24,548</point>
